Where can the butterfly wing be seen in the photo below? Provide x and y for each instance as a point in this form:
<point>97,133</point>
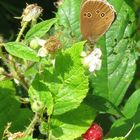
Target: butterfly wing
<point>96,17</point>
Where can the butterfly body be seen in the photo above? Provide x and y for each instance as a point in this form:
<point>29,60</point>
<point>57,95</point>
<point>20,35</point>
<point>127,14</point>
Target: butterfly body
<point>95,19</point>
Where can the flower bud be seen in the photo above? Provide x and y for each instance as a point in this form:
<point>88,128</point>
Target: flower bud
<point>37,106</point>
<point>34,44</point>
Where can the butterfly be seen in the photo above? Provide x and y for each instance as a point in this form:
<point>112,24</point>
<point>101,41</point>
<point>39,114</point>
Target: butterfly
<point>95,18</point>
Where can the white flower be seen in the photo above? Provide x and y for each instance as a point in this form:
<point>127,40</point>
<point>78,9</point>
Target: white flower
<point>42,52</point>
<point>50,46</point>
<point>37,42</point>
<point>97,52</point>
<point>95,65</point>
<point>93,60</point>
<point>53,62</point>
<point>41,42</point>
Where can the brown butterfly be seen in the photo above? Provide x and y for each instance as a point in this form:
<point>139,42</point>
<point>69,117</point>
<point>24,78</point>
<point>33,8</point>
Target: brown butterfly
<point>95,19</point>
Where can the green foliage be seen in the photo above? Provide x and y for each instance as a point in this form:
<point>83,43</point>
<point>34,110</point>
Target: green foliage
<point>118,56</point>
<point>26,138</point>
<point>39,29</point>
<point>116,138</point>
<point>10,110</point>
<point>66,86</point>
<point>118,49</point>
<point>131,111</point>
<point>22,51</point>
<point>73,123</point>
<point>62,90</point>
<point>61,93</point>
<point>69,16</point>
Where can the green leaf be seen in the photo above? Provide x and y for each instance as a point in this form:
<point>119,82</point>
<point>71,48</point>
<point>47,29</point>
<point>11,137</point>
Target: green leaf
<point>69,80</point>
<point>43,128</point>
<point>132,104</point>
<point>68,22</point>
<point>39,92</point>
<point>7,87</point>
<point>131,110</point>
<point>26,138</point>
<point>30,71</point>
<point>67,83</point>
<point>120,128</point>
<point>118,56</point>
<point>10,107</point>
<point>73,123</point>
<point>116,138</point>
<point>69,17</point>
<point>101,104</point>
<point>39,29</point>
<point>118,59</point>
<point>22,51</point>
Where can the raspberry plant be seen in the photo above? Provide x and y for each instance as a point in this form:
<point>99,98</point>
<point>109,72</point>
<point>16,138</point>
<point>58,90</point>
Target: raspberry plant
<point>52,95</point>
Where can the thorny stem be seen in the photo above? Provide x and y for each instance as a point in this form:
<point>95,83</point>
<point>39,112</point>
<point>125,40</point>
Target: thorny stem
<point>30,66</point>
<point>21,31</point>
<point>4,59</point>
<point>5,78</point>
<point>6,132</point>
<point>10,64</point>
<point>13,69</point>
<point>49,135</point>
<point>22,81</point>
<point>17,75</point>
<point>30,128</point>
<point>23,100</point>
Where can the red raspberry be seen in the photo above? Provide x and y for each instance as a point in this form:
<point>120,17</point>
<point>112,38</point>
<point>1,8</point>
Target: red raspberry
<point>95,132</point>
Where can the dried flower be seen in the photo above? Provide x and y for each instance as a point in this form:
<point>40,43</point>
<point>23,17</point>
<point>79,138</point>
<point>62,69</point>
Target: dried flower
<point>42,52</point>
<point>16,135</point>
<point>31,12</point>
<point>50,46</point>
<point>53,44</point>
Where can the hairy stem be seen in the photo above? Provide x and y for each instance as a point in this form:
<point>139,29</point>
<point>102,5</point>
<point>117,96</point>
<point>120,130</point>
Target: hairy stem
<point>49,135</point>
<point>30,128</point>
<point>21,31</point>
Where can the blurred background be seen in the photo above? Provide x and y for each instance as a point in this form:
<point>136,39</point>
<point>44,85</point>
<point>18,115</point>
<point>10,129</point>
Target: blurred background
<point>9,9</point>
